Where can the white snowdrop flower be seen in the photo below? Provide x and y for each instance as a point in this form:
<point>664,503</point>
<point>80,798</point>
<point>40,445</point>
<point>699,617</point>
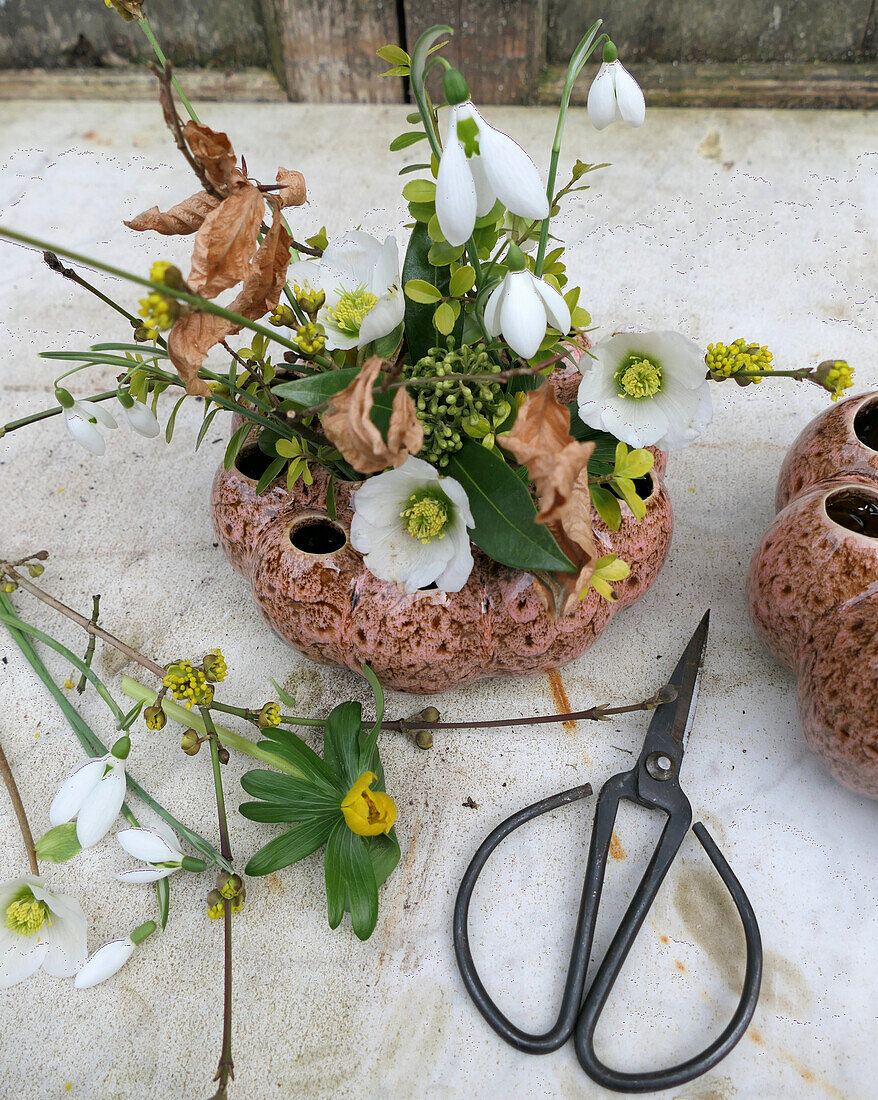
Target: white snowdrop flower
<point>81,418</point>
<point>522,306</point>
<point>93,794</point>
<point>159,849</point>
<point>109,959</point>
<point>615,94</point>
<point>140,417</point>
<point>646,388</point>
<point>361,280</point>
<point>38,928</point>
<point>478,166</point>
<point>411,526</point>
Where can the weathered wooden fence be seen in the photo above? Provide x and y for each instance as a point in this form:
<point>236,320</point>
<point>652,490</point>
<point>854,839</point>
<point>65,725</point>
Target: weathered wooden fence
<point>793,52</point>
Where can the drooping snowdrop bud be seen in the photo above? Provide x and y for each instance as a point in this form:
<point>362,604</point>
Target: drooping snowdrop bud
<point>140,418</point>
<point>81,419</point>
<point>522,306</point>
<point>478,166</point>
<point>615,94</point>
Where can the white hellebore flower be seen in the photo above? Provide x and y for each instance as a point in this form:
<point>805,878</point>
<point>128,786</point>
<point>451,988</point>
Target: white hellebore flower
<point>140,417</point>
<point>38,929</point>
<point>110,958</point>
<point>81,418</point>
<point>478,166</point>
<point>361,280</point>
<point>411,526</point>
<point>159,848</point>
<point>646,388</point>
<point>93,794</point>
<point>522,306</point>
<point>615,94</point>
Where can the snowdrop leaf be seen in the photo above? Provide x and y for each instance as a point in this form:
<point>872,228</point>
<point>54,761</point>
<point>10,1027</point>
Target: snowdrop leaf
<point>163,894</point>
<point>504,514</point>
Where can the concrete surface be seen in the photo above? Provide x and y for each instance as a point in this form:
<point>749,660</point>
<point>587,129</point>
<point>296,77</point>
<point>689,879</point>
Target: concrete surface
<point>773,237</point>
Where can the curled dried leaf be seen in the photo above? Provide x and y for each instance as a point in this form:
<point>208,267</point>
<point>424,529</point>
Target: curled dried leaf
<point>558,466</point>
<point>185,217</point>
<point>190,340</point>
<point>215,154</point>
<point>293,192</point>
<point>265,280</point>
<point>225,243</point>
<point>349,427</point>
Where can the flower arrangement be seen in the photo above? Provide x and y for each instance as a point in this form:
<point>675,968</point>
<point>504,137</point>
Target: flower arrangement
<point>431,383</point>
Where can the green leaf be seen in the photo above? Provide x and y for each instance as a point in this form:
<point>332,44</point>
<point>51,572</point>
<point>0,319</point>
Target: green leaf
<point>409,168</point>
<point>419,290</point>
<point>284,696</point>
<point>625,486</point>
<point>384,852</point>
<point>341,740</point>
<point>369,760</point>
<point>607,506</point>
<point>205,426</point>
<point>444,319</point>
<point>443,253</point>
<point>632,464</point>
<point>172,420</point>
<point>146,350</point>
<point>163,894</point>
<point>385,346</point>
<point>420,191</point>
<point>407,139</point>
<point>395,55</point>
<point>319,240</point>
<point>504,513</point>
<point>397,70</point>
<point>422,211</point>
<point>298,797</point>
<point>294,749</point>
<point>58,844</point>
<point>293,845</point>
<point>461,282</point>
<point>317,387</point>
<point>419,330</point>
<point>235,444</point>
<point>495,214</point>
<point>272,471</point>
<point>353,879</point>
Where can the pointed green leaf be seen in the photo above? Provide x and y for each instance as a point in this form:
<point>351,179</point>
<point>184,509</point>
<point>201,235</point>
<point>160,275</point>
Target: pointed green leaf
<point>341,741</point>
<point>336,894</point>
<point>58,844</point>
<point>394,55</point>
<point>358,877</point>
<point>384,853</point>
<point>607,507</point>
<point>317,387</point>
<point>293,845</point>
<point>407,139</point>
<point>235,444</point>
<point>294,749</point>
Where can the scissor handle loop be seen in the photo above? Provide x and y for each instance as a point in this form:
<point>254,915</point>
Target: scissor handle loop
<point>720,1047</point>
<point>521,1040</point>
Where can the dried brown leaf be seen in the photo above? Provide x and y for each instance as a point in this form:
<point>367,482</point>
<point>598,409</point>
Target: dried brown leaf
<point>349,427</point>
<point>226,242</point>
<point>215,154</point>
<point>264,282</point>
<point>190,340</point>
<point>558,466</point>
<point>185,217</point>
<point>293,192</point>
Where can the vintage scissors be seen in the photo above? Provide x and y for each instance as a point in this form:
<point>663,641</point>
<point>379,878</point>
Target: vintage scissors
<point>653,783</point>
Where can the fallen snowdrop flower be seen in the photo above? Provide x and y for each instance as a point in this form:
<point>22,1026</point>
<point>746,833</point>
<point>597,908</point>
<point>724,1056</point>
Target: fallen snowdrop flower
<point>93,794</point>
<point>109,959</point>
<point>159,849</point>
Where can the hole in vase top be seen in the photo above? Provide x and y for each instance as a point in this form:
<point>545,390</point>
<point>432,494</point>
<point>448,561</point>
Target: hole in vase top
<point>866,425</point>
<point>644,486</point>
<point>252,462</point>
<point>856,510</point>
<point>318,537</point>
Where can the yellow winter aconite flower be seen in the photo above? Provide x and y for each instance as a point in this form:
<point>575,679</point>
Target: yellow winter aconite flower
<point>367,812</point>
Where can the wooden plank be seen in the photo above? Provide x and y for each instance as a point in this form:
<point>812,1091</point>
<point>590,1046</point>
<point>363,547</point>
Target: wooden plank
<point>57,33</point>
<point>201,85</point>
<point>498,45</point>
<point>692,30</point>
<point>770,84</point>
<point>325,49</point>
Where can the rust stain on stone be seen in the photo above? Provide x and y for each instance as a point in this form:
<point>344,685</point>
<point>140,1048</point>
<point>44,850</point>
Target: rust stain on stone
<point>617,851</point>
<point>559,693</point>
<point>807,1075</point>
<point>679,965</point>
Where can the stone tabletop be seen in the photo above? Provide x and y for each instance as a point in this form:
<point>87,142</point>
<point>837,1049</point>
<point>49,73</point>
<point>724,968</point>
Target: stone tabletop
<point>716,223</point>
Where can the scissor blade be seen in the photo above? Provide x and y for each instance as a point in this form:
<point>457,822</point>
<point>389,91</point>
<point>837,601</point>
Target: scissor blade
<point>675,717</point>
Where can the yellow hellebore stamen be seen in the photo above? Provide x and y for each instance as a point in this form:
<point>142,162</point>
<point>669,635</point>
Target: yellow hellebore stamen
<point>641,378</point>
<point>368,813</point>
<point>350,309</point>
<point>25,915</point>
<point>426,517</point>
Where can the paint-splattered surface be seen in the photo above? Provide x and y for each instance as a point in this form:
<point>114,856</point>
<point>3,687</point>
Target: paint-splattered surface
<point>768,232</point>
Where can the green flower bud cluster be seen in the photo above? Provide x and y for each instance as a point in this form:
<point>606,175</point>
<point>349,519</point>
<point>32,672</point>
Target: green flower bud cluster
<point>453,408</point>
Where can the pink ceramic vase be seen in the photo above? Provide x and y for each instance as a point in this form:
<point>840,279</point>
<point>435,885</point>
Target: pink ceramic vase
<point>812,588</point>
<point>315,592</point>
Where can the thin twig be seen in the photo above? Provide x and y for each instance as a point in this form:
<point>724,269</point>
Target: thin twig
<point>18,806</point>
<point>54,264</point>
<point>172,119</point>
<point>90,648</point>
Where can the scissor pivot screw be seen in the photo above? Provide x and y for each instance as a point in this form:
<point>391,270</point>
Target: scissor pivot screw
<point>660,765</point>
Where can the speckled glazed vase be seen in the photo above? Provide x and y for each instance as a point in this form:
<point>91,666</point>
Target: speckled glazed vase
<point>813,587</point>
<point>315,592</point>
